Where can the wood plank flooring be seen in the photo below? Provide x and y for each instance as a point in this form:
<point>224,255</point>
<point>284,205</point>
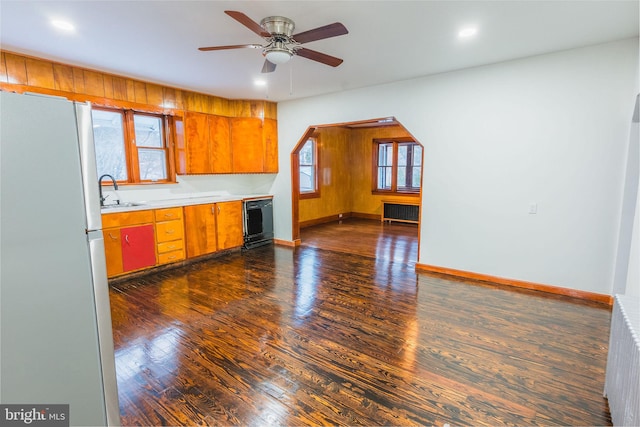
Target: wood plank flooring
<point>309,336</point>
<point>395,241</point>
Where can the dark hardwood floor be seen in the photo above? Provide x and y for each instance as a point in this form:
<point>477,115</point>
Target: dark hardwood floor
<point>337,336</point>
<point>395,241</point>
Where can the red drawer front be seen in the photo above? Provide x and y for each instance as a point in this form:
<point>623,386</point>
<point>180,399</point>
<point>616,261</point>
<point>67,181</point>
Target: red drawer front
<point>138,247</point>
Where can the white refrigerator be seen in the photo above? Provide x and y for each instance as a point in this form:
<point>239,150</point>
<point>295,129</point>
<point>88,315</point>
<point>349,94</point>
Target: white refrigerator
<point>56,342</point>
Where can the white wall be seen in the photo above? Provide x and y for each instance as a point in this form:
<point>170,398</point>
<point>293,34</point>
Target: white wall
<point>552,130</point>
<point>632,285</point>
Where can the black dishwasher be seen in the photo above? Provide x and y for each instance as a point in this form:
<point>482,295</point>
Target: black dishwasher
<point>258,222</point>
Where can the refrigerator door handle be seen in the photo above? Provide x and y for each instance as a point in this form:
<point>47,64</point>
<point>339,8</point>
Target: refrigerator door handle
<point>88,166</point>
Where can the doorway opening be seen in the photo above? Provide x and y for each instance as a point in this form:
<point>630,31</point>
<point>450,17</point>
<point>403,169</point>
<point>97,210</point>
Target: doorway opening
<point>345,173</point>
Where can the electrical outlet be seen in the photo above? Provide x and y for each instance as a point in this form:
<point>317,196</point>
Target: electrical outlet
<point>533,208</point>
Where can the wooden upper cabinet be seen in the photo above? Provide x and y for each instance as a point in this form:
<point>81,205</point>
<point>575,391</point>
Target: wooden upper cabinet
<point>196,133</point>
<point>217,144</point>
<point>179,146</point>
<point>220,144</point>
<point>246,143</point>
<point>270,144</point>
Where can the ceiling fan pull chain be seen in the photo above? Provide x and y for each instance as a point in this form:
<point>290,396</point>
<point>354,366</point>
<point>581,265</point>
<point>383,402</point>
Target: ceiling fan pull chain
<point>291,80</point>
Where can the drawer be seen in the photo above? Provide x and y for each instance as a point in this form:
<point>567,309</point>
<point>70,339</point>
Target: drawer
<point>168,214</point>
<point>172,256</point>
<point>169,230</point>
<point>174,245</point>
<point>127,218</point>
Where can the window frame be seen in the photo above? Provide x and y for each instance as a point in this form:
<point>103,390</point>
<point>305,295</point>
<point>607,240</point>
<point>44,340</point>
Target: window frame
<point>131,149</point>
<point>316,168</point>
<point>396,143</point>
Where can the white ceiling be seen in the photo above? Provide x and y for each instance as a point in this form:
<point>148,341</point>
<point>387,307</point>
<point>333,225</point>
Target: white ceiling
<point>388,41</point>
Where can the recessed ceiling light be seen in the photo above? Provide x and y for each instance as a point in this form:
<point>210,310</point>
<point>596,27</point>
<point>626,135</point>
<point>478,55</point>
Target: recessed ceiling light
<point>467,32</point>
<point>260,82</point>
<point>63,25</point>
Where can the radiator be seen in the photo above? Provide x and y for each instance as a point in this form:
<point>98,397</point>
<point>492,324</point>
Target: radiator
<point>400,212</point>
<point>622,381</point>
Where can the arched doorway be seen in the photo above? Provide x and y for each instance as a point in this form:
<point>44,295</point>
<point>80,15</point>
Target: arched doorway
<point>347,172</point>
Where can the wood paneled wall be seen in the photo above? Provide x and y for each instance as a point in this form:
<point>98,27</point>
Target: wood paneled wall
<point>334,176</point>
<point>22,73</point>
<point>361,151</point>
<point>345,175</point>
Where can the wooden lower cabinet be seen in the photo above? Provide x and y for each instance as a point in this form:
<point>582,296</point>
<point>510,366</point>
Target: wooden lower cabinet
<point>169,235</point>
<point>213,227</point>
<point>138,247</point>
<point>200,226</point>
<point>229,225</point>
<point>129,241</point>
<point>113,251</point>
<point>141,239</point>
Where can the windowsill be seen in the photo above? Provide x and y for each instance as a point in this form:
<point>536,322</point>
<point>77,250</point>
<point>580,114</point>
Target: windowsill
<point>394,193</point>
<point>314,195</point>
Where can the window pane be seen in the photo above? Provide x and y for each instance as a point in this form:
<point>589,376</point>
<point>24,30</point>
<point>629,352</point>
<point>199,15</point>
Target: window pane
<point>108,138</point>
<point>306,153</point>
<point>153,164</point>
<point>402,155</point>
<point>307,179</point>
<point>384,178</point>
<point>308,167</point>
<point>402,176</point>
<point>148,131</point>
<point>416,178</point>
<point>385,154</point>
<point>417,155</point>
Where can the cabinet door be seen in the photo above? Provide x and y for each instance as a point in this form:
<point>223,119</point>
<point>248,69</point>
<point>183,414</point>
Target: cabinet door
<point>246,143</point>
<point>113,251</point>
<point>196,133</point>
<point>200,226</point>
<point>138,247</point>
<point>220,145</point>
<point>229,225</point>
<point>270,141</point>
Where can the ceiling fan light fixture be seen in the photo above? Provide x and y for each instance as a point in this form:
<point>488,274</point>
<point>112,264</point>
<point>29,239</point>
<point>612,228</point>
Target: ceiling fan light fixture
<point>278,56</point>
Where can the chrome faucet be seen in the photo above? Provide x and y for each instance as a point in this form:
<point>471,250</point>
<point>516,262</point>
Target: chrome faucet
<point>115,187</point>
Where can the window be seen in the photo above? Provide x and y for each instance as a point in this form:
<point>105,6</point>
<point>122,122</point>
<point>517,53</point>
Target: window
<point>131,146</point>
<point>398,166</point>
<point>308,158</point>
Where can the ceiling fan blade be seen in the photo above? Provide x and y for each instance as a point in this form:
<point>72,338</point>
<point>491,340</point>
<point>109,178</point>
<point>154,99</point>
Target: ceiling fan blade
<point>331,30</point>
<point>248,22</point>
<point>319,57</point>
<point>268,67</point>
<point>234,46</point>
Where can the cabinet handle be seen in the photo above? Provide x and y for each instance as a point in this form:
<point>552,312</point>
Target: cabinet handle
<point>213,209</point>
<point>171,247</point>
<point>168,215</point>
<point>170,231</point>
<point>113,237</point>
<point>126,238</point>
<point>218,209</point>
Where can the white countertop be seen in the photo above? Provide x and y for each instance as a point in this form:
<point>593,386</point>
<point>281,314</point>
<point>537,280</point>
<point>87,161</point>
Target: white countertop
<point>188,200</point>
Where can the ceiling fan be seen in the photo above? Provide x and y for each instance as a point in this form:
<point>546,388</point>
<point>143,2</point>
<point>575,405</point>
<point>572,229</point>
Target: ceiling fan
<point>280,44</point>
